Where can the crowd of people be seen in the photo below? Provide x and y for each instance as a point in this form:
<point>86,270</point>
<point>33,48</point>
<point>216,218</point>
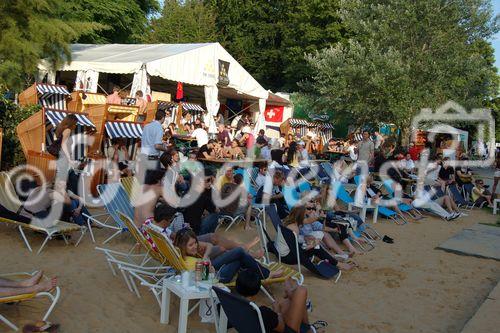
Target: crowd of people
<point>326,231</point>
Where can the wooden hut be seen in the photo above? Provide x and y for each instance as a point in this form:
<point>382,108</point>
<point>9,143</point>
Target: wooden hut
<point>294,125</point>
<point>51,96</point>
<point>80,101</point>
<point>37,132</point>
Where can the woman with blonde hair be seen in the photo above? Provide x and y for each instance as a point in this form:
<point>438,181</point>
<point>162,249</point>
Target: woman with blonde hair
<point>61,148</point>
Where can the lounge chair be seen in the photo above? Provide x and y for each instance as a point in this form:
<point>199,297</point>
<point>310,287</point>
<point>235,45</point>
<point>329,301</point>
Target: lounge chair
<point>297,255</point>
<point>139,266</point>
<point>343,196</point>
<point>454,192</point>
<point>131,186</point>
<point>115,199</point>
<point>174,258</point>
<point>60,228</point>
<point>403,207</point>
<point>244,315</point>
<point>53,296</point>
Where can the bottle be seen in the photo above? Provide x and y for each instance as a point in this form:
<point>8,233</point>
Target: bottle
<point>198,271</point>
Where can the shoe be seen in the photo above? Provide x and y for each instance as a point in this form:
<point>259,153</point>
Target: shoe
<point>341,257</point>
<point>387,240</point>
<point>463,214</point>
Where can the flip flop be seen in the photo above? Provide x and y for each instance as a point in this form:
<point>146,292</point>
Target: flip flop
<point>41,326</point>
<point>318,324</point>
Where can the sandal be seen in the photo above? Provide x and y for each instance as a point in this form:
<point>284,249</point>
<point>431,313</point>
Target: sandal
<point>41,326</point>
<point>319,324</point>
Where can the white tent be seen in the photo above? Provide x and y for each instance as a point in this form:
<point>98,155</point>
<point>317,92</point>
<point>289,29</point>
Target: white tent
<point>194,64</point>
<point>456,133</point>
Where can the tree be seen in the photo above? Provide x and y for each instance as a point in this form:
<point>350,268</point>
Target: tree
<point>403,56</point>
<point>126,21</point>
<point>31,30</point>
<point>188,21</point>
<point>270,38</point>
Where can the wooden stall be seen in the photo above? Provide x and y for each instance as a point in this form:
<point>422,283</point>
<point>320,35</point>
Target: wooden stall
<point>302,127</point>
<point>81,102</point>
<point>37,132</point>
<point>47,95</point>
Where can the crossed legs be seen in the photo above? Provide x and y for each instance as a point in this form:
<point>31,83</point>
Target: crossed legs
<point>32,285</point>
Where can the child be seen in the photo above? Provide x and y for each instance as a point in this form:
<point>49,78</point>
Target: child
<point>227,264</point>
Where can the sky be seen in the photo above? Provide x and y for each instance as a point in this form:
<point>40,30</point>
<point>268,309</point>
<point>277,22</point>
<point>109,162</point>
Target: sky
<point>496,40</point>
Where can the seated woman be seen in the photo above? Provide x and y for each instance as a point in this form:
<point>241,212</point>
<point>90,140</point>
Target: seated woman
<point>234,151</point>
<point>480,194</point>
<point>288,314</point>
<point>311,245</point>
<point>34,284</point>
<point>118,153</point>
<point>227,264</point>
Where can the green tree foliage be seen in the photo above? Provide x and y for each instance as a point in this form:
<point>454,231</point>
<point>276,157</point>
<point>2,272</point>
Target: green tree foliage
<point>10,116</point>
<point>31,30</point>
<point>403,56</point>
<point>270,38</point>
<point>189,21</point>
<point>126,20</point>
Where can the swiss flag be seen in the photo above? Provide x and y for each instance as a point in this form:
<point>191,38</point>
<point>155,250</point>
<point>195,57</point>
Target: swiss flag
<point>274,114</point>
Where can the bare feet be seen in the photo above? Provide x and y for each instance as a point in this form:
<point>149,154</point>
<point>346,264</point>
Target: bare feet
<point>257,254</point>
<point>32,280</point>
<point>276,274</point>
<point>252,243</point>
<point>290,286</point>
<point>344,266</point>
<point>355,253</point>
<point>46,285</point>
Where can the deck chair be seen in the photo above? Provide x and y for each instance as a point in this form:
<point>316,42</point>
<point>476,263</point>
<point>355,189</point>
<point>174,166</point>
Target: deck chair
<point>60,228</point>
<point>131,186</point>
<point>174,258</point>
<point>53,296</point>
<point>115,199</point>
<point>454,192</point>
<point>148,274</point>
<point>243,315</point>
<point>297,255</point>
<point>291,195</point>
<point>343,196</point>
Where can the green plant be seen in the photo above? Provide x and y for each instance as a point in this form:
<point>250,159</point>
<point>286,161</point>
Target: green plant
<point>10,116</point>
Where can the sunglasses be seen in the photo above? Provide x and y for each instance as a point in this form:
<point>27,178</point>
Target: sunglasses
<point>310,208</point>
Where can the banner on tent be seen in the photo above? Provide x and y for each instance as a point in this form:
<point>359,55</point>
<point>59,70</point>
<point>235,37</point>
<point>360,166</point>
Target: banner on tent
<point>223,73</point>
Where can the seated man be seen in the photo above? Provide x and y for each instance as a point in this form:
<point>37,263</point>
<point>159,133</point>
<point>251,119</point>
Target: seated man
<point>260,180</point>
<point>205,150</point>
<point>34,284</point>
<point>272,192</point>
<point>114,97</point>
<point>239,206</point>
<point>480,194</point>
<point>141,103</point>
<point>288,314</point>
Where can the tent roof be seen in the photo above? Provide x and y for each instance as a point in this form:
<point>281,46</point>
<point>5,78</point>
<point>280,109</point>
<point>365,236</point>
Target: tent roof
<point>196,64</point>
<point>443,128</point>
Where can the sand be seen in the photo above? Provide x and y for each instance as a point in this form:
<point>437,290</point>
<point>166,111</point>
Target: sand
<point>408,286</point>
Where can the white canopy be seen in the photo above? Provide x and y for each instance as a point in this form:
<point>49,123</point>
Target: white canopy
<point>457,133</point>
<point>195,64</point>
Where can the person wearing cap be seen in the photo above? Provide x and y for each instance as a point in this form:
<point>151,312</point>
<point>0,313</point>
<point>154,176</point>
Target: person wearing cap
<point>247,140</point>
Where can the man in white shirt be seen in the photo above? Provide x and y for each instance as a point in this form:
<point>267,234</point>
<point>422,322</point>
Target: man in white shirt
<point>260,180</point>
<point>151,145</point>
<point>200,134</point>
<point>265,152</point>
<point>304,155</point>
<point>168,119</point>
<point>407,164</point>
<point>366,149</point>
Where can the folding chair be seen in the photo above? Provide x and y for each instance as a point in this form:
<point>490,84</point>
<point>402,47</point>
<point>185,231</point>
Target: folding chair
<point>243,315</point>
<point>297,255</point>
<point>131,186</point>
<point>53,296</point>
<point>115,199</point>
<point>454,192</point>
<point>59,228</point>
<point>403,207</point>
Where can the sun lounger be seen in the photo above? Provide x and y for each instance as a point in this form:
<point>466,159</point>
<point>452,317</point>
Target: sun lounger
<point>454,192</point>
<point>59,228</point>
<point>115,199</point>
<point>53,296</point>
<point>131,186</point>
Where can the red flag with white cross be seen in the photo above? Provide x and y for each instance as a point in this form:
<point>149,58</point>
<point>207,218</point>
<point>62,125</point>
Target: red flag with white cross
<point>274,113</point>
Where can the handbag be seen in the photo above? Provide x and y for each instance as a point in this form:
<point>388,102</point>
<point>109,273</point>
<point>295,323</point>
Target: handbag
<point>55,147</point>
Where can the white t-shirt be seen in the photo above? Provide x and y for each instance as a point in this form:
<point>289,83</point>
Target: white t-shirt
<point>201,136</point>
<point>152,134</point>
<point>352,153</point>
<point>260,180</point>
<point>407,164</point>
<point>265,153</point>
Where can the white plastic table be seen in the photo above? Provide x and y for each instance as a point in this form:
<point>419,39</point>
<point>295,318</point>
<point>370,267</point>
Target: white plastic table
<point>185,295</point>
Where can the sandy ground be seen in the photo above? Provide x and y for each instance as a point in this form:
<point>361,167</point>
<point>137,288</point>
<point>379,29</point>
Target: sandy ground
<point>408,286</point>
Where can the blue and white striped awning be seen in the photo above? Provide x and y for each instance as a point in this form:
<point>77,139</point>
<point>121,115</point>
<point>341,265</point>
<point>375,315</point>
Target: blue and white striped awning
<point>295,122</point>
<point>55,117</point>
<point>192,107</point>
<point>119,129</point>
<point>163,105</point>
<point>44,88</point>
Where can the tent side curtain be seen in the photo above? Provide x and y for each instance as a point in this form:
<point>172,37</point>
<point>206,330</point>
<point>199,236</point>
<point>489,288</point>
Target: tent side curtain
<point>55,117</point>
<point>44,88</point>
<point>116,129</point>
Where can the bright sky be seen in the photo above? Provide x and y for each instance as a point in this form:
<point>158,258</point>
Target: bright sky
<point>496,40</point>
